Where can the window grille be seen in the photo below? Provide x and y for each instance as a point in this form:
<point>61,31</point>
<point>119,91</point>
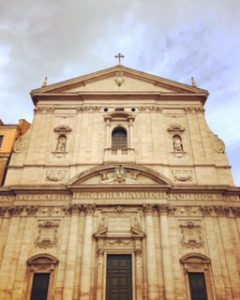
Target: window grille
<point>119,138</point>
<point>197,286</point>
<point>40,286</point>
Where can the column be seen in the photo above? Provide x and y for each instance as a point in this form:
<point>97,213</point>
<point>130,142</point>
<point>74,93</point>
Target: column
<point>23,257</point>
<point>63,251</point>
<point>108,140</point>
<point>179,284</point>
<point>216,254</point>
<point>7,258</point>
<point>166,254</point>
<point>138,269</point>
<point>85,282</point>
<point>152,275</point>
<point>100,261</point>
<point>71,255</point>
<point>229,254</point>
<point>130,139</point>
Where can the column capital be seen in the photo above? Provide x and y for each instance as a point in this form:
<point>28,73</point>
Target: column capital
<point>149,209</point>
<point>74,209</point>
<point>89,209</point>
<point>166,209</point>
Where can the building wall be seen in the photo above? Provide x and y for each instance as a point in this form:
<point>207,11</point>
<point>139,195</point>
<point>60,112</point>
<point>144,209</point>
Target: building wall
<point>203,156</point>
<point>66,205</point>
<point>156,255</point>
<point>9,134</point>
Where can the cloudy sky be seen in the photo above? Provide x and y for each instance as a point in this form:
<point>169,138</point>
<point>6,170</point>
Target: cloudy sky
<point>175,39</point>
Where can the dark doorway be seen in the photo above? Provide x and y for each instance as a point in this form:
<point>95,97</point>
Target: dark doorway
<point>119,277</point>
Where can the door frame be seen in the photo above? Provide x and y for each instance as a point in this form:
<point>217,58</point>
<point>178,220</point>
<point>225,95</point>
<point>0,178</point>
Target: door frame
<point>118,252</point>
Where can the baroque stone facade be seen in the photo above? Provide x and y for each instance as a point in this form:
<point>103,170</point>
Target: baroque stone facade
<point>119,191</point>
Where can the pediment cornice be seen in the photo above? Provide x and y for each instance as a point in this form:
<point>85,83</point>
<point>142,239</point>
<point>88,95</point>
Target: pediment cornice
<point>119,175</point>
<point>68,87</point>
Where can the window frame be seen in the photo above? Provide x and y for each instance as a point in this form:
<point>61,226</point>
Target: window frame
<point>197,263</point>
<point>42,263</point>
<point>1,140</point>
<point>33,277</point>
<point>204,281</point>
<point>126,138</point>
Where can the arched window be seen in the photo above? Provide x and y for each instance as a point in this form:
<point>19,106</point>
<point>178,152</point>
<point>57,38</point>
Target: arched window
<point>41,271</point>
<point>119,138</point>
<point>197,275</point>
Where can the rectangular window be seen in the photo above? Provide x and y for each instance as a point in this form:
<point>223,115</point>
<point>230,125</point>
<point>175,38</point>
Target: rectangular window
<point>40,286</point>
<point>119,277</point>
<point>1,140</point>
<point>197,286</point>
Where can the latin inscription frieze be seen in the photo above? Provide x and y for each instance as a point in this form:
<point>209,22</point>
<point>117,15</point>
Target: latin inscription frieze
<point>44,197</point>
<point>120,195</point>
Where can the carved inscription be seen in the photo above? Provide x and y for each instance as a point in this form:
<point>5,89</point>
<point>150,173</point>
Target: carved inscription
<point>120,195</point>
<point>119,224</point>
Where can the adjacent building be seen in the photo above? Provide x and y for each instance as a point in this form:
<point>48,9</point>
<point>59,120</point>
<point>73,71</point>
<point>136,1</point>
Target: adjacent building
<point>8,135</point>
<point>119,191</point>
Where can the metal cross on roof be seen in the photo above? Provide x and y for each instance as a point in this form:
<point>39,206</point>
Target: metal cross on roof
<point>119,56</point>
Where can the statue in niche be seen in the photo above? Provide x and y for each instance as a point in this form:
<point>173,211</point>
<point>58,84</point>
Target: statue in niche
<point>61,143</point>
<point>177,143</point>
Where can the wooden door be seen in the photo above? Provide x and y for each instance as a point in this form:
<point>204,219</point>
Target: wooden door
<point>119,277</point>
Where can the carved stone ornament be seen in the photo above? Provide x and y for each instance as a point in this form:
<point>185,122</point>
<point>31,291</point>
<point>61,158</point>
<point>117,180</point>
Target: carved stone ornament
<point>45,110</point>
<point>62,129</point>
<point>218,145</point>
<point>191,235</point>
<point>119,78</point>
<point>149,209</point>
<point>47,234</point>
<point>166,209</point>
<point>121,238</point>
<point>89,209</point>
<point>193,110</point>
<point>89,109</point>
<point>182,175</point>
<point>42,263</point>
<point>3,211</point>
<point>55,175</point>
<point>235,211</point>
<point>30,210</point>
<point>206,210</point>
<point>19,146</point>
<point>149,108</point>
<point>119,175</point>
<point>175,128</point>
<point>222,210</point>
<point>16,210</point>
<point>74,209</point>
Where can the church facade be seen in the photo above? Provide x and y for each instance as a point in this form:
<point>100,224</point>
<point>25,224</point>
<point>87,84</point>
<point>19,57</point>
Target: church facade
<point>119,190</point>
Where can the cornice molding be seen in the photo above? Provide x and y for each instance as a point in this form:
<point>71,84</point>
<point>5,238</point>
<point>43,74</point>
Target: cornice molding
<point>10,211</point>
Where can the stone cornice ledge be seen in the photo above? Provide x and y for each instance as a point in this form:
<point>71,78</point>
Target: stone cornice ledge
<point>62,189</point>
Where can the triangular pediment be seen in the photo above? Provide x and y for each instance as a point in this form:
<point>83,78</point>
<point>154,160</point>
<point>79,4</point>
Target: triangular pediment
<point>119,175</point>
<point>118,80</point>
